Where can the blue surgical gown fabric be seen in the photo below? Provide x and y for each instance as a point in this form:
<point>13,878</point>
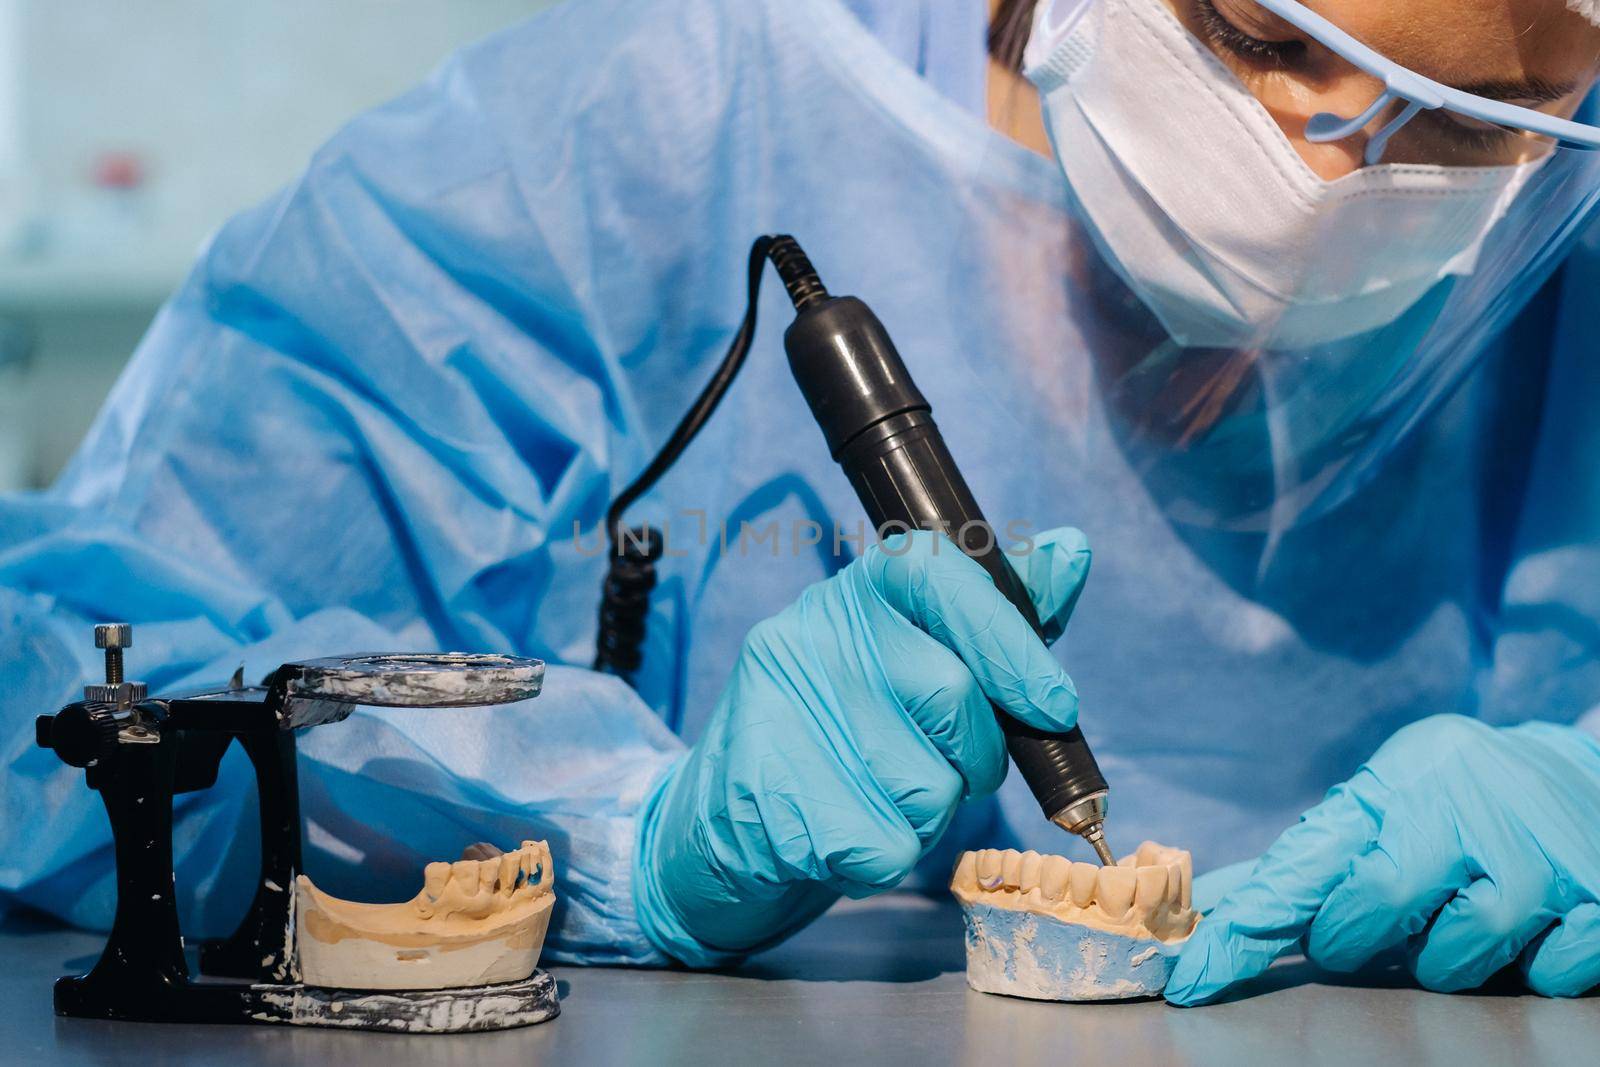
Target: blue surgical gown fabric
<point>379,408</point>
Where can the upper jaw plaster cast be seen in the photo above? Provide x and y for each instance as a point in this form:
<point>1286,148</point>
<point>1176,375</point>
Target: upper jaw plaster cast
<point>476,922</point>
<point>1047,928</point>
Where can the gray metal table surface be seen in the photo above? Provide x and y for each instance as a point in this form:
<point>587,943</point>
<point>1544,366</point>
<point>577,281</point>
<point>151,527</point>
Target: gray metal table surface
<point>878,981</point>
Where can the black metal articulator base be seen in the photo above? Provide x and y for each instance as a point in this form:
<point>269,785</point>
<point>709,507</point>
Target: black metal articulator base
<point>404,1011</point>
<point>139,753</point>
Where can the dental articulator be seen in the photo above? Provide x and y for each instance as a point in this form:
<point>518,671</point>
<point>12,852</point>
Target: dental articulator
<point>459,957</point>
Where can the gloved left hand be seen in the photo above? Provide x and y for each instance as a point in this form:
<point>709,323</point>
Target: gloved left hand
<point>854,723</point>
<point>1469,846</point>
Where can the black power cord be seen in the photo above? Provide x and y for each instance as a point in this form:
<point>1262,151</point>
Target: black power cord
<point>631,572</point>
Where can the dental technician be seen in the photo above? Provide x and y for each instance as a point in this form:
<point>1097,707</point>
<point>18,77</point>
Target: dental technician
<point>1291,309</point>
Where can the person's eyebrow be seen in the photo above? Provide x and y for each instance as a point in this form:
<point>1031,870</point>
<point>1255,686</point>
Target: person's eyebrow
<point>1529,90</point>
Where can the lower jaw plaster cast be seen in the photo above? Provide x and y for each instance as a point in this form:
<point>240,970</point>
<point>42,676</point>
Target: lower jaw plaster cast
<point>1046,928</point>
<point>476,922</point>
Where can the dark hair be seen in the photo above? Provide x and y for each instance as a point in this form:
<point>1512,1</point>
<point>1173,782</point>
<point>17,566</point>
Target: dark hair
<point>1008,33</point>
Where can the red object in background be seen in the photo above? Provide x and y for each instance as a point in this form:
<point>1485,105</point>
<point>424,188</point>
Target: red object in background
<point>118,170</point>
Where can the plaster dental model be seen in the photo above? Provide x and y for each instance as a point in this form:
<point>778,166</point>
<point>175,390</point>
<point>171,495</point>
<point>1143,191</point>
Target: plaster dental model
<point>1046,928</point>
<point>476,922</point>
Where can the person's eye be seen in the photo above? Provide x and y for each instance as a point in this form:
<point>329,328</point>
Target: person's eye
<point>1224,34</point>
<point>1466,133</point>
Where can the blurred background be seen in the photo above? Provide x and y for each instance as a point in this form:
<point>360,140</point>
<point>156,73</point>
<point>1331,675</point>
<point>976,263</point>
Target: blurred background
<point>130,131</point>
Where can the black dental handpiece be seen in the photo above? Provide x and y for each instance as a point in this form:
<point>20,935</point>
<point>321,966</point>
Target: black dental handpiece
<point>880,429</point>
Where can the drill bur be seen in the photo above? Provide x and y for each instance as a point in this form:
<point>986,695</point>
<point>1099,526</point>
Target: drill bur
<point>1096,836</point>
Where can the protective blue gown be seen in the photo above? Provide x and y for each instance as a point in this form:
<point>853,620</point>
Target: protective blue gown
<point>379,408</point>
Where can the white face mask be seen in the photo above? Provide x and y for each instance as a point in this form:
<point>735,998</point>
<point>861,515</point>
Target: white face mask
<point>1210,214</point>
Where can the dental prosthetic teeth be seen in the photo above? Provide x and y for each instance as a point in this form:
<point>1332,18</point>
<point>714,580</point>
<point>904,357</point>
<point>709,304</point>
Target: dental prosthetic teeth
<point>475,922</point>
<point>1147,893</point>
<point>1047,928</point>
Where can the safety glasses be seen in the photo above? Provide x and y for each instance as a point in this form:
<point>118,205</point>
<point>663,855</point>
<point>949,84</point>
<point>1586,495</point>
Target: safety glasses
<point>1417,93</point>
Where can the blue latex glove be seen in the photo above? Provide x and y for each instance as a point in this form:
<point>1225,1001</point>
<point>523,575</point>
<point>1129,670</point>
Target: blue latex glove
<point>856,720</point>
<point>1469,846</point>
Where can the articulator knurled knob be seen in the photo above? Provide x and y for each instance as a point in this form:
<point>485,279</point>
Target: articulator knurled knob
<point>113,635</point>
<point>123,693</point>
<point>80,735</point>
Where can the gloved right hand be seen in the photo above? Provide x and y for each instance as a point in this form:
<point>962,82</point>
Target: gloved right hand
<point>855,722</point>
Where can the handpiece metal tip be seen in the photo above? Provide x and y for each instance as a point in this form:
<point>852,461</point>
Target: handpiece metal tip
<point>1103,851</point>
<point>1087,819</point>
<point>1095,834</point>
